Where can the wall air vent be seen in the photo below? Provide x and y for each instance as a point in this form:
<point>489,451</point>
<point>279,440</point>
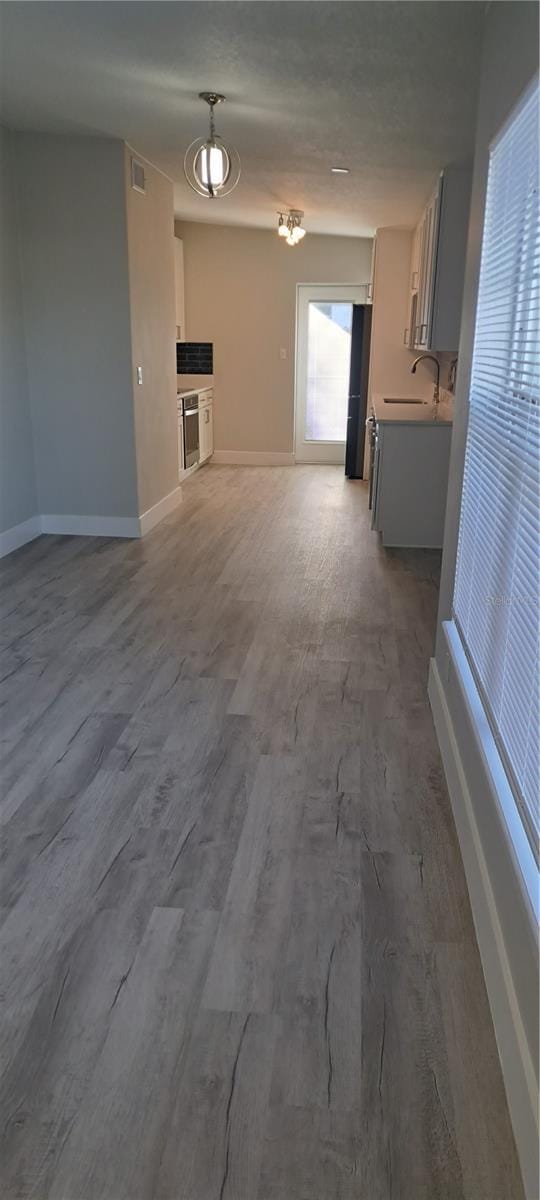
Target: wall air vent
<point>138,178</point>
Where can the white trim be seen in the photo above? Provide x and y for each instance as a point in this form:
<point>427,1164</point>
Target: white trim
<point>154,515</point>
<point>514,1051</point>
<point>19,535</point>
<point>76,526</point>
<point>254,458</point>
<point>504,801</point>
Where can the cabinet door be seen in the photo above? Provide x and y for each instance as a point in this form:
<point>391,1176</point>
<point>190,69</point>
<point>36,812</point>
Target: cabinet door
<point>418,307</point>
<point>415,258</point>
<point>431,264</point>
<point>180,428</point>
<point>202,434</point>
<point>375,488</point>
<point>206,432</point>
<point>428,239</point>
<point>421,329</point>
<point>210,430</point>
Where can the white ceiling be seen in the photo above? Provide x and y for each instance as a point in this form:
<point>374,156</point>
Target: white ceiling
<point>387,89</point>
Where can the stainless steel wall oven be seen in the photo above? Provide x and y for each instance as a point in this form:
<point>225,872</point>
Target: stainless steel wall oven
<point>191,430</point>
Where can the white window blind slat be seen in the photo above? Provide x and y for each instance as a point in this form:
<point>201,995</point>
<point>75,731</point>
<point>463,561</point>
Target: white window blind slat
<point>497,585</point>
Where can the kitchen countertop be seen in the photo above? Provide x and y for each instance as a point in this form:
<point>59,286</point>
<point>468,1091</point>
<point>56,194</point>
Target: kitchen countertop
<point>426,413</point>
<point>193,383</point>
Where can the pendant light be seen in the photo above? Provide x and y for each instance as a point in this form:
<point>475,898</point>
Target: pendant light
<point>290,226</point>
<point>211,168</point>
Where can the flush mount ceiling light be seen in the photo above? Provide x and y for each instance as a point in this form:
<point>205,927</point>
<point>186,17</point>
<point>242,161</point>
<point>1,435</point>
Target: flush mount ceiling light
<point>211,168</point>
<point>290,226</point>
<point>339,170</point>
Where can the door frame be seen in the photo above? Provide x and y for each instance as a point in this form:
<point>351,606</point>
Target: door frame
<point>318,452</point>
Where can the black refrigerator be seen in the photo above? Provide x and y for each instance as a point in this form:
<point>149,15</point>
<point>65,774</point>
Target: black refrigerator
<point>358,391</point>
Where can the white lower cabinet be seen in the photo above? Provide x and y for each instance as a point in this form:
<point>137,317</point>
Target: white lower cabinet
<point>209,431</point>
<point>410,483</point>
<point>206,426</point>
<point>180,428</point>
<point>206,433</point>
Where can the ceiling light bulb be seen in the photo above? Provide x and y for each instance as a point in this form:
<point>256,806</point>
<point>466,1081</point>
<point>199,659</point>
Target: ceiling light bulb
<point>212,165</point>
<point>289,226</point>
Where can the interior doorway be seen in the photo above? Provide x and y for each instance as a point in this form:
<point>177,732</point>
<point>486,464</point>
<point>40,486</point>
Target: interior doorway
<point>323,357</point>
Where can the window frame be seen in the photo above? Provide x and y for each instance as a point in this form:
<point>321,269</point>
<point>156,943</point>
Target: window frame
<point>513,347</point>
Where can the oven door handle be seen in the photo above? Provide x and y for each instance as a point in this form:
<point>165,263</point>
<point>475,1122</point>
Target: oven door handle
<point>190,412</point>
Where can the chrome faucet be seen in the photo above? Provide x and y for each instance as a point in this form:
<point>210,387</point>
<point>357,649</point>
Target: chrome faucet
<point>438,366</point>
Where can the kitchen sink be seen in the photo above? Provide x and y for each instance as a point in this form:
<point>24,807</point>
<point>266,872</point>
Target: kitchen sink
<point>402,400</point>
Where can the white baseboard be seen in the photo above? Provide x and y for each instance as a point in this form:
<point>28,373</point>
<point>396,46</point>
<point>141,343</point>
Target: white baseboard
<point>154,515</point>
<point>514,1052</point>
<point>79,526</point>
<point>18,535</point>
<point>75,526</point>
<point>254,458</point>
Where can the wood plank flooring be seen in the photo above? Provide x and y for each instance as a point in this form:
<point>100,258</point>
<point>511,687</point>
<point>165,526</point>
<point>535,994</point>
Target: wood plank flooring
<point>237,954</point>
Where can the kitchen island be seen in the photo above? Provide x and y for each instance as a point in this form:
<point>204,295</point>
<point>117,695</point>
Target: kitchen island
<point>409,464</point>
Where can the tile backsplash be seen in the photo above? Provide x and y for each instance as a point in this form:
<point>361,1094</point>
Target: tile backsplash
<point>194,358</point>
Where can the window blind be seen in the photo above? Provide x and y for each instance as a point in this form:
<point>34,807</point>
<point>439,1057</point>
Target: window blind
<point>497,578</point>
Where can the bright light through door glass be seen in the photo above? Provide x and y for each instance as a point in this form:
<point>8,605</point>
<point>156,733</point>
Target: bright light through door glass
<point>328,365</point>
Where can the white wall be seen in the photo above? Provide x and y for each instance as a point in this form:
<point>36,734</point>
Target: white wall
<point>505,927</point>
<point>17,475</point>
<point>240,287</point>
<point>76,291</point>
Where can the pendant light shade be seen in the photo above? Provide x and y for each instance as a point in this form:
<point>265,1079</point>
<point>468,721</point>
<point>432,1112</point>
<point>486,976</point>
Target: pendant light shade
<point>211,168</point>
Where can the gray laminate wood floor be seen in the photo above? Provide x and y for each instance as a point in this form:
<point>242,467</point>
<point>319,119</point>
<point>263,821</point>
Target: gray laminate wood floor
<point>237,952</point>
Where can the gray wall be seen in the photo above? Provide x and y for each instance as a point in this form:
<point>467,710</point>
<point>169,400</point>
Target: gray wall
<point>510,60</point>
<point>17,476</point>
<point>76,288</point>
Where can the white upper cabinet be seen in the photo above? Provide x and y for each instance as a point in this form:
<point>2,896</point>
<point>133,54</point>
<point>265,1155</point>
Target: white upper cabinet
<point>438,264</point>
<point>415,259</point>
<point>179,289</point>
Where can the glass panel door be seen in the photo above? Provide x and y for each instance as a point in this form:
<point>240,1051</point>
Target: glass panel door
<point>322,370</point>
